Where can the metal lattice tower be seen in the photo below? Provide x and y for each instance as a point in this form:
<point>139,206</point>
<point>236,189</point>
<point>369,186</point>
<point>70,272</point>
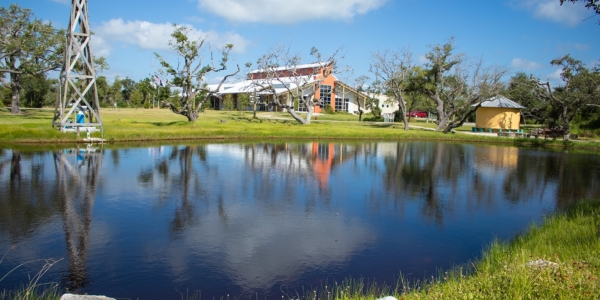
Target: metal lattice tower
<point>78,107</point>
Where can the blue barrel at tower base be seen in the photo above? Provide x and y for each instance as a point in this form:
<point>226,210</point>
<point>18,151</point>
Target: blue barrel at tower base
<point>80,117</point>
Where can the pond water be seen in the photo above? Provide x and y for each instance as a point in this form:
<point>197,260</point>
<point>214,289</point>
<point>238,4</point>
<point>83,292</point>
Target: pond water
<point>266,219</point>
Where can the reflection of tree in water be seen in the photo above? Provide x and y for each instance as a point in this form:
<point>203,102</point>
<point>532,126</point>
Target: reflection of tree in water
<point>418,171</point>
<point>26,202</point>
<point>272,175</point>
<point>76,187</point>
<point>437,174</point>
<point>536,173</point>
<point>185,180</point>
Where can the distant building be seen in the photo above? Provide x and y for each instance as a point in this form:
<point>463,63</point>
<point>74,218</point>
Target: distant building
<point>498,113</point>
<point>331,91</point>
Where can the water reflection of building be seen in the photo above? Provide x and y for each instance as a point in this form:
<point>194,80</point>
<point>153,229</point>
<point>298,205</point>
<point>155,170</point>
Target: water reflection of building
<point>492,157</point>
<point>322,162</point>
<point>310,160</point>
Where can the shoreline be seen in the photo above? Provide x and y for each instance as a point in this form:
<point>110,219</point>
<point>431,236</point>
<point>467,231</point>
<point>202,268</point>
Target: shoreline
<point>126,126</point>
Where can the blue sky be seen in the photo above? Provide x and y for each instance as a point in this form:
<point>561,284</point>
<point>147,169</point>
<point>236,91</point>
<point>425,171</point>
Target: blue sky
<point>522,35</point>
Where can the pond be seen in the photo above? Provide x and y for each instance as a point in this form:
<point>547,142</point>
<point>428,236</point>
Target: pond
<point>262,220</point>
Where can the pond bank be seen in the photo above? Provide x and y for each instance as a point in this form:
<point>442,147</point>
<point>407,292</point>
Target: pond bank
<point>150,126</point>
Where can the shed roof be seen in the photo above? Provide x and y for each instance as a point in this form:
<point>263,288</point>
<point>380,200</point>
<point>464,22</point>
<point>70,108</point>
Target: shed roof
<point>501,101</point>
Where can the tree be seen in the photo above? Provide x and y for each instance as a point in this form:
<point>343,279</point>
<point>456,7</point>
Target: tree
<point>524,91</point>
<point>35,88</point>
<point>103,89</point>
<point>228,104</point>
<point>28,46</point>
<point>394,69</point>
<point>115,91</point>
<point>280,75</point>
<point>456,86</point>
<point>243,100</point>
<point>128,87</point>
<point>581,90</point>
<point>190,76</point>
<point>148,90</point>
<point>135,99</point>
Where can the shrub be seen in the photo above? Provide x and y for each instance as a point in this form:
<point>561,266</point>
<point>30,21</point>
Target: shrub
<point>373,119</point>
<point>328,110</point>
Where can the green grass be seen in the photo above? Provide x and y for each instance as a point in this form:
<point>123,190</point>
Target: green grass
<point>143,125</point>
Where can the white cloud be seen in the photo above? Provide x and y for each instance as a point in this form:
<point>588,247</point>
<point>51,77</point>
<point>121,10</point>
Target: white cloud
<point>288,12</point>
<point>554,77</point>
<point>153,36</point>
<point>100,47</point>
<point>569,14</point>
<point>524,64</point>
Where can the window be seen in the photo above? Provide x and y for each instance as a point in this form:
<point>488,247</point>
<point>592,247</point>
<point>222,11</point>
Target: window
<point>341,105</point>
<point>325,94</point>
<point>301,106</point>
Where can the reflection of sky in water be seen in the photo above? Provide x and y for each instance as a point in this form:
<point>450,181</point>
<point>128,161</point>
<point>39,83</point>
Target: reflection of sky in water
<point>235,218</point>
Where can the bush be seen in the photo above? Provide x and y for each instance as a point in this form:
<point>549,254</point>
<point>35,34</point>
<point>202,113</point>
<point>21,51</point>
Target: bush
<point>328,110</point>
<point>376,111</point>
<point>373,119</point>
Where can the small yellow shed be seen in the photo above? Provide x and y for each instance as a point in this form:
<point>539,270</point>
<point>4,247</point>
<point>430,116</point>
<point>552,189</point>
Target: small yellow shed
<point>498,113</point>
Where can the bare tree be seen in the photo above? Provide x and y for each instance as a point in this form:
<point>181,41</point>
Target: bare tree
<point>456,85</point>
<point>394,69</point>
<point>281,76</point>
<point>190,76</point>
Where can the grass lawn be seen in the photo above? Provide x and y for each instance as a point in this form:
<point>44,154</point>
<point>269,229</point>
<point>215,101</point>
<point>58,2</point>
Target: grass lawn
<point>140,125</point>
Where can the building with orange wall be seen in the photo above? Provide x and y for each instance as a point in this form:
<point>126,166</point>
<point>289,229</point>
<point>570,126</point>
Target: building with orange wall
<point>315,77</point>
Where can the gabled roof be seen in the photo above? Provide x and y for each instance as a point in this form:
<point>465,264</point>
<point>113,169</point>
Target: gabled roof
<point>500,101</point>
<point>248,86</point>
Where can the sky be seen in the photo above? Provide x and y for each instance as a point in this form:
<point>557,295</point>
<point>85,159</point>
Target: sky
<point>521,35</point>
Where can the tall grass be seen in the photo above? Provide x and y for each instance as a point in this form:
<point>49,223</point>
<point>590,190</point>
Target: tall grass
<point>34,289</point>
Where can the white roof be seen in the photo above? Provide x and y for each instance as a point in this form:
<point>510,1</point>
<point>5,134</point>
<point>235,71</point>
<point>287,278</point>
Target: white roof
<point>501,101</point>
<point>296,67</point>
<point>248,86</point>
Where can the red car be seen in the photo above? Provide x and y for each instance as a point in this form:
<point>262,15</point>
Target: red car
<point>418,114</point>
